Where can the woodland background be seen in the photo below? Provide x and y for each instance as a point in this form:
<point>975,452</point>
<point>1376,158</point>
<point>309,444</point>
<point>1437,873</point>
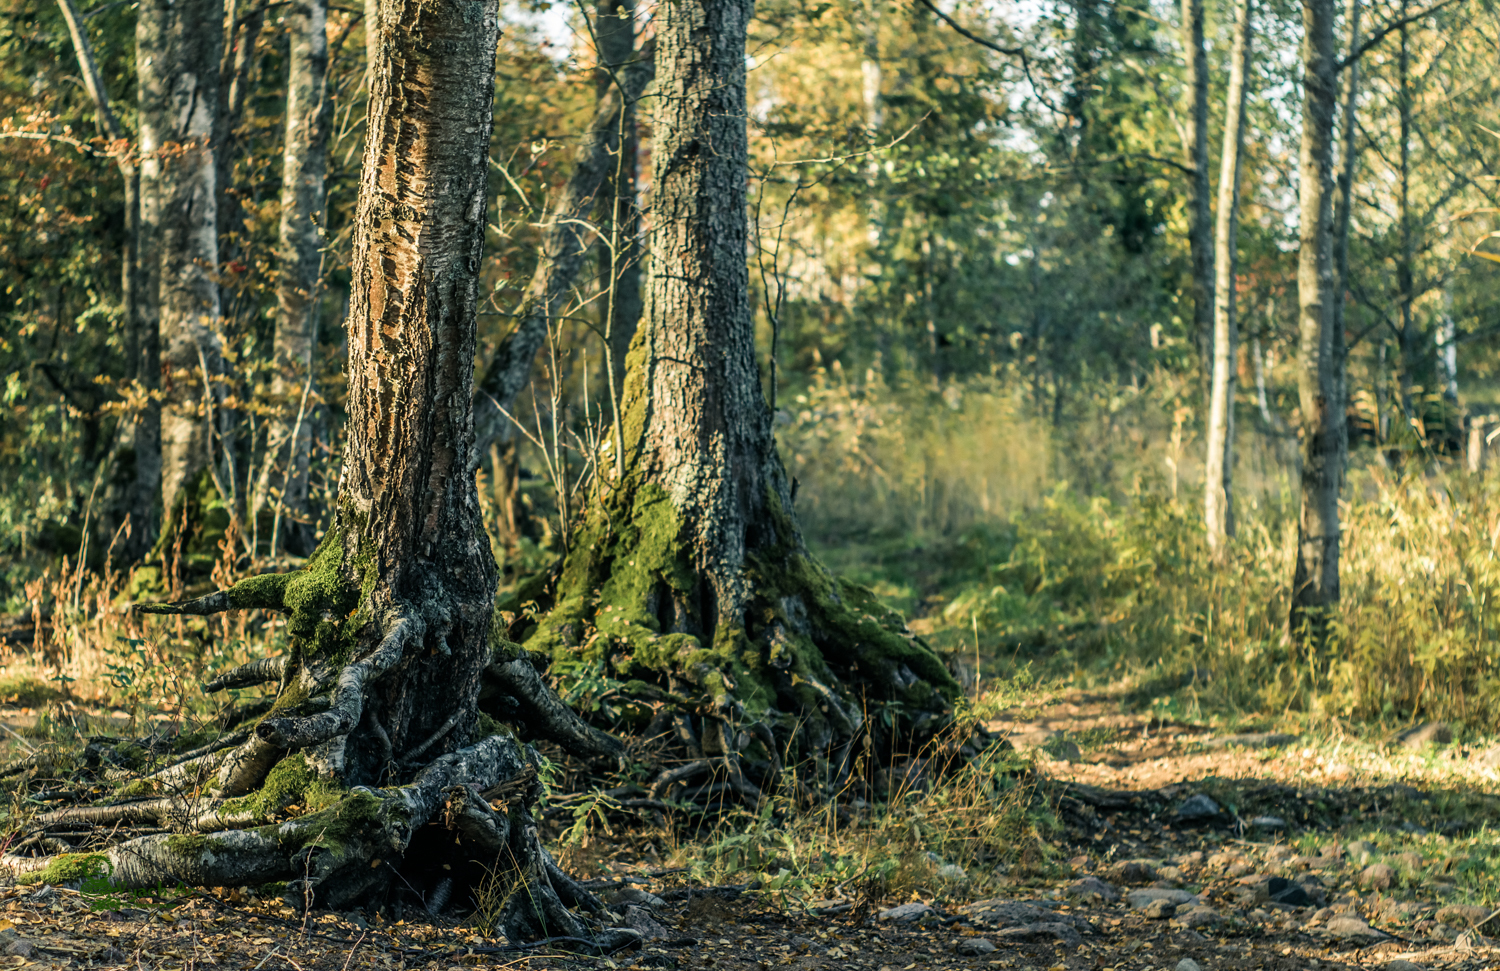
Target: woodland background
<point>973,290</point>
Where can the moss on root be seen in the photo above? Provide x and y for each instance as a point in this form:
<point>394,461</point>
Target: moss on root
<point>802,626</point>
<point>68,868</point>
<point>290,782</point>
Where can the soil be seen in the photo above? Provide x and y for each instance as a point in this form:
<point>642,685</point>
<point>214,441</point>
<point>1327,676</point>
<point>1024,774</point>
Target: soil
<point>1121,791</point>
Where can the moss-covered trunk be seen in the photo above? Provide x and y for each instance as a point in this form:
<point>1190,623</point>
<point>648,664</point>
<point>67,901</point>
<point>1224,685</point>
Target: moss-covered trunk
<point>691,576</point>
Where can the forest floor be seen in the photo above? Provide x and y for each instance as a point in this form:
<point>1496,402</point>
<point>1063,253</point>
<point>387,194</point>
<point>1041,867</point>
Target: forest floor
<point>1171,844</point>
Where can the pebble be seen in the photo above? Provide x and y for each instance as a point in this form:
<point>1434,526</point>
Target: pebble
<point>1268,822</point>
<point>1197,809</point>
<point>1158,909</point>
<point>1056,931</point>
<point>1401,964</point>
<point>1188,964</point>
<point>975,946</point>
<point>1199,916</point>
<point>20,949</point>
<point>1285,892</point>
<point>1131,871</point>
<point>1463,915</point>
<point>631,895</point>
<point>1378,876</point>
<point>1278,853</point>
<point>1140,899</point>
<point>640,920</point>
<point>1432,733</point>
<point>1094,887</point>
<point>1412,861</point>
<point>905,912</point>
<point>1354,929</point>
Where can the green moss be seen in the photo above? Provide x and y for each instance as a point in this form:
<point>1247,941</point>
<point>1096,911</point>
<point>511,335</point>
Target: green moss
<point>188,844</point>
<point>289,782</point>
<point>268,591</point>
<point>68,868</point>
<point>485,726</point>
<point>137,787</point>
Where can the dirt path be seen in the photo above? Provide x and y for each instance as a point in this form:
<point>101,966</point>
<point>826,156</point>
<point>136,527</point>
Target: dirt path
<point>1180,849</point>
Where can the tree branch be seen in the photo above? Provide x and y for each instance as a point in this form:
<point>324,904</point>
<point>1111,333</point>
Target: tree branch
<point>1381,34</point>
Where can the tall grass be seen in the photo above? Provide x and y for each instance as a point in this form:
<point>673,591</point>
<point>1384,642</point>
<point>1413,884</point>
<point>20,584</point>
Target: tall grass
<point>964,507</point>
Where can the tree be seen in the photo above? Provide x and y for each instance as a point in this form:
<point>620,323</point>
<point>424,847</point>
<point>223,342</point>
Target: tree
<point>1200,208</point>
<point>1315,581</point>
<point>378,723</point>
<point>177,61</point>
<point>689,576</point>
<point>299,278</point>
<point>144,434</point>
<point>1218,469</point>
<point>620,256</point>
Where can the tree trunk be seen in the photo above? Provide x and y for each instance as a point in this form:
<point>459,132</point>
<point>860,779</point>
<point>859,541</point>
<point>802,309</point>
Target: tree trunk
<point>1200,215</point>
<point>304,164</point>
<point>1218,474</point>
<point>565,243</point>
<point>620,260</point>
<point>690,577</point>
<point>144,430</point>
<point>177,61</point>
<point>1410,336</point>
<point>392,665</point>
<point>1315,582</point>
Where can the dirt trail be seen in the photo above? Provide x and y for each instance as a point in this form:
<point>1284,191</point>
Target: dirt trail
<point>1180,850</point>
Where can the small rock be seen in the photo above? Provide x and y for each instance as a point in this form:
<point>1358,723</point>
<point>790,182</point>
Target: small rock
<point>1222,860</point>
<point>952,872</point>
<point>1130,872</point>
<point>1331,851</point>
<point>632,895</point>
<point>1432,733</point>
<point>973,947</point>
<point>1360,851</point>
<point>20,949</point>
<point>1239,870</point>
<point>1058,931</point>
<point>1412,861</point>
<point>1285,892</point>
<point>1251,740</point>
<point>1463,915</point>
<point>1354,930</point>
<point>905,913</point>
<point>1192,859</point>
<point>1094,887</point>
<point>1278,853</point>
<point>1159,909</point>
<point>1377,876</point>
<point>1171,873</point>
<point>1188,964</point>
<point>1401,964</point>
<point>640,920</point>
<point>1141,899</point>
<point>1197,809</point>
<point>1268,822</point>
<point>1199,916</point>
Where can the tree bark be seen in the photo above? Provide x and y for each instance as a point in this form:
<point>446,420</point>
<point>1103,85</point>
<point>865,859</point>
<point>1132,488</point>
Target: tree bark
<point>690,577</point>
<point>144,435</point>
<point>298,281</point>
<point>177,62</point>
<point>1200,215</point>
<point>565,243</point>
<point>1218,474</point>
<point>1315,582</point>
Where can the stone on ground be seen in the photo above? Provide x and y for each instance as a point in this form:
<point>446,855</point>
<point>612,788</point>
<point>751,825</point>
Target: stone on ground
<point>1197,809</point>
<point>1463,915</point>
<point>905,913</point>
<point>1188,964</point>
<point>975,946</point>
<point>1094,887</point>
<point>1377,876</point>
<point>1354,930</point>
<point>1159,909</point>
<point>1432,733</point>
